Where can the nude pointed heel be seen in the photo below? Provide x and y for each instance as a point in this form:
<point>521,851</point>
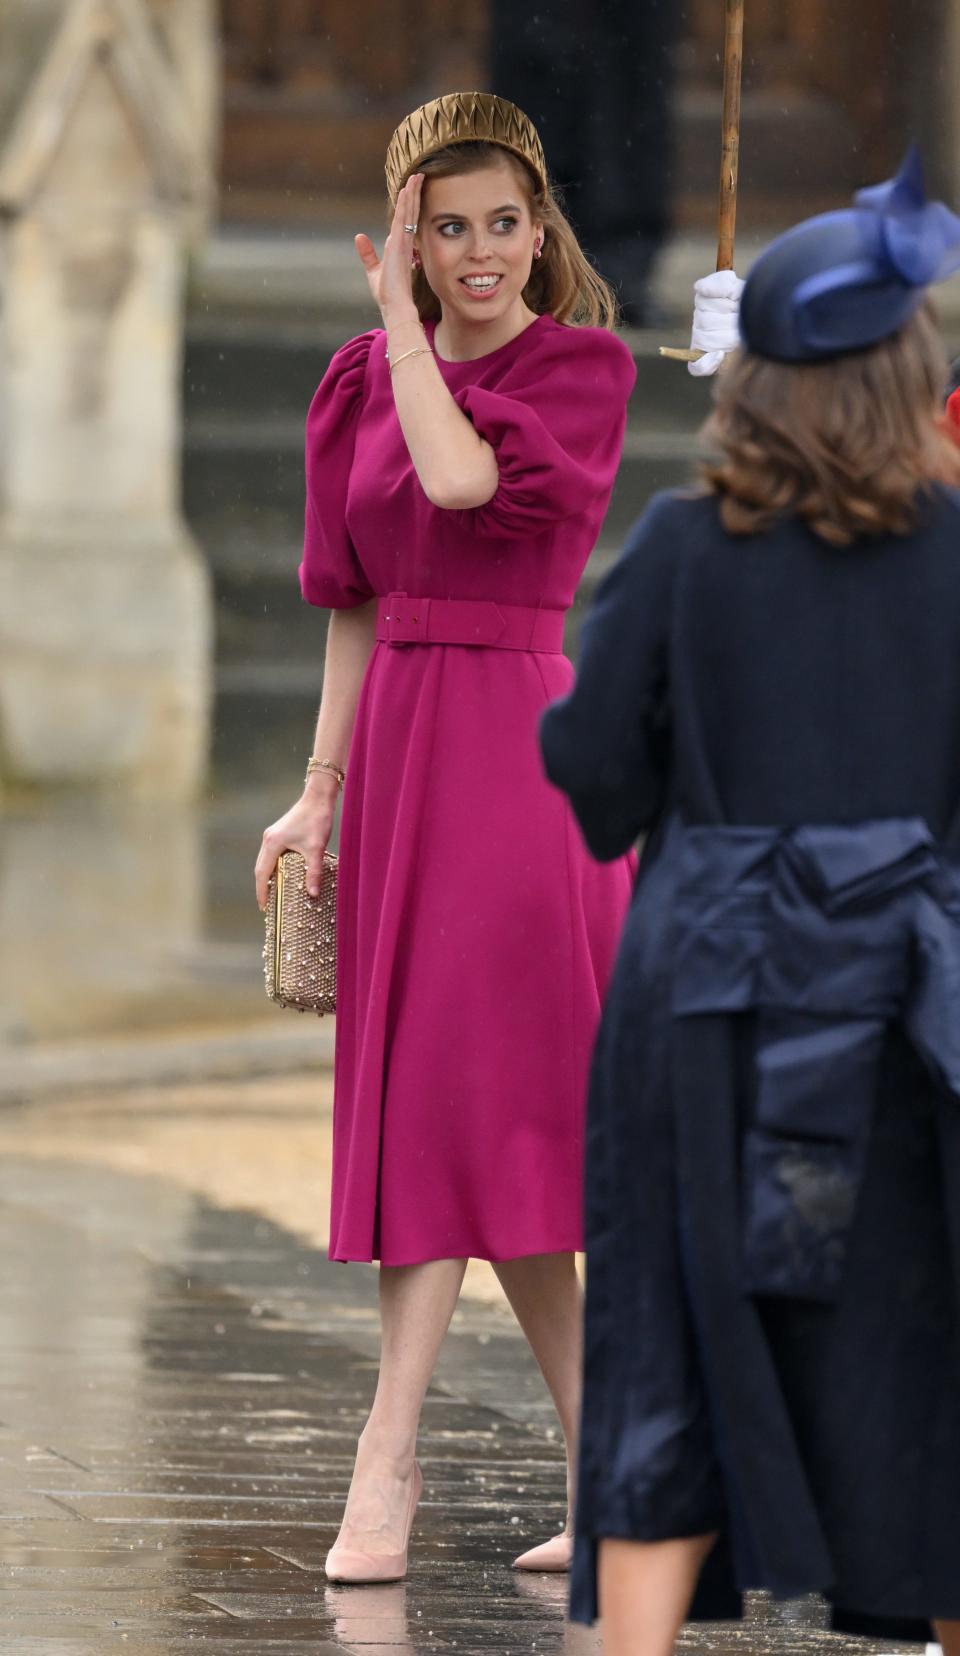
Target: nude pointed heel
<point>551,1557</point>
<point>352,1568</point>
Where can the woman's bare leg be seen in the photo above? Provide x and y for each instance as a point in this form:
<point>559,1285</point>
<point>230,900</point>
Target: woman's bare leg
<point>546,1298</point>
<point>416,1304</point>
<point>948,1633</point>
<point>645,1590</point>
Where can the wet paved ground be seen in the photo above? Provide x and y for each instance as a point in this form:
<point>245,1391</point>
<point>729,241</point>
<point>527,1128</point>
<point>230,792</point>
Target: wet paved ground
<point>180,1389</point>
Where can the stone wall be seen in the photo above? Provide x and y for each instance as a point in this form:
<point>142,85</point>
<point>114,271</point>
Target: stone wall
<point>188,30</point>
<point>105,617</point>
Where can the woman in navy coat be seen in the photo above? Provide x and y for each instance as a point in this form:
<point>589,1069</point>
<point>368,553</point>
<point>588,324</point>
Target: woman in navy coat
<point>769,689</point>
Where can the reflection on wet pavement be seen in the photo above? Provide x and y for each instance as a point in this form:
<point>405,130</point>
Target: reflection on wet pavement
<point>180,1391</point>
<point>178,1427</point>
<point>124,918</point>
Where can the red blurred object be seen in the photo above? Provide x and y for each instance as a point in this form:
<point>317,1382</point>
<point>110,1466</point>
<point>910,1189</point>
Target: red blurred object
<point>953,415</point>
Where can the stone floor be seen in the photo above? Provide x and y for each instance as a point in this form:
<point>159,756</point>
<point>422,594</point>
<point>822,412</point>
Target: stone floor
<point>180,1389</point>
<point>260,1141</point>
<point>181,1383</point>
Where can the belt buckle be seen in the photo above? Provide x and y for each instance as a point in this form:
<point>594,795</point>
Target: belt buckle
<point>406,619</point>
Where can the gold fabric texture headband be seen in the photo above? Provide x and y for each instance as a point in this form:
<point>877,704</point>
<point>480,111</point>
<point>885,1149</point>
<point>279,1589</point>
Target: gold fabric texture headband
<point>461,118</point>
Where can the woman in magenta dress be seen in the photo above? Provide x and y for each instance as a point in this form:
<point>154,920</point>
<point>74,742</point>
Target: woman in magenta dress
<point>459,465</point>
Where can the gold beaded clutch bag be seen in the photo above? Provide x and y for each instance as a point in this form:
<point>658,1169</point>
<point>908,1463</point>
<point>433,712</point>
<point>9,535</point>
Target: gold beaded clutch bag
<point>300,951</point>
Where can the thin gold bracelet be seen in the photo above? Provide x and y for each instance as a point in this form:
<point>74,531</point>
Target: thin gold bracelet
<point>328,766</point>
<point>418,350</point>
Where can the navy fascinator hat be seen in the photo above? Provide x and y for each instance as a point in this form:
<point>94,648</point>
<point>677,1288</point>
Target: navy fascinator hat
<point>845,280</point>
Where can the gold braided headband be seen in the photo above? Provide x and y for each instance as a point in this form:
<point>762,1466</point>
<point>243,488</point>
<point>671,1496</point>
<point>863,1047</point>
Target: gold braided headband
<point>461,118</point>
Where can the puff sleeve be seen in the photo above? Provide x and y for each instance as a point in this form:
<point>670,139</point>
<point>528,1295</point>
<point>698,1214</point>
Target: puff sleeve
<point>330,573</point>
<point>556,425</point>
<point>608,744</point>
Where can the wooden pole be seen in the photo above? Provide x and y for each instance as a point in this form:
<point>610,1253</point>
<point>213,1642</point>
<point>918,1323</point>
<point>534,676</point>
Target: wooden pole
<point>729,152</point>
<point>730,149</point>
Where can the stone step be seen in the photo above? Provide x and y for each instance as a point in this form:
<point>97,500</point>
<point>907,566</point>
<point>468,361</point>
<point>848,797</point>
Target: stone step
<point>262,622</point>
<point>228,482</point>
<point>247,385</point>
<point>267,634</point>
<point>267,698</point>
<point>243,492</point>
<point>314,278</point>
<point>265,378</point>
<point>266,282</point>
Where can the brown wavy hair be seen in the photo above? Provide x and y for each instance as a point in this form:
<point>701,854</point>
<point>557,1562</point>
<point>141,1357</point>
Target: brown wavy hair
<point>562,281</point>
<point>851,445</point>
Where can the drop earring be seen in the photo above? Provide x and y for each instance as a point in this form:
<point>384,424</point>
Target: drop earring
<point>415,261</point>
<point>537,249</point>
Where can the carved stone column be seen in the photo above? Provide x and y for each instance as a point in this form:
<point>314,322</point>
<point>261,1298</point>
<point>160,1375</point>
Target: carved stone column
<point>105,614</point>
<point>191,34</point>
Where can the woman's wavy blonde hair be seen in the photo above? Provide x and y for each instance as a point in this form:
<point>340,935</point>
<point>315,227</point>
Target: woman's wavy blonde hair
<point>562,281</point>
<point>851,445</point>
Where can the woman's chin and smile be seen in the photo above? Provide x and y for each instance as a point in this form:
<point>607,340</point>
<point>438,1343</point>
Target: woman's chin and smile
<point>482,286</point>
<point>479,295</point>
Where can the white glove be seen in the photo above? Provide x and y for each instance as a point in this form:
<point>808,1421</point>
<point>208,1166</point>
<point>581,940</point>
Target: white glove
<point>716,308</point>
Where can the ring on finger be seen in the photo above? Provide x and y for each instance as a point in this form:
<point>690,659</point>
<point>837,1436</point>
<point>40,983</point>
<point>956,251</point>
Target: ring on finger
<point>410,229</point>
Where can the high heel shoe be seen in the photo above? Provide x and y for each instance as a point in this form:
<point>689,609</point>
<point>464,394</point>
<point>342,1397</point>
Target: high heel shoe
<point>553,1556</point>
<point>349,1566</point>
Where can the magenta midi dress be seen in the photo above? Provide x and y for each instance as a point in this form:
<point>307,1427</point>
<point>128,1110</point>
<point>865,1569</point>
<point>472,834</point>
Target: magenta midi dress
<point>475,934</point>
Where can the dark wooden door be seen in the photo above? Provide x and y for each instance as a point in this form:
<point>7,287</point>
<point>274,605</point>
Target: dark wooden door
<point>315,87</point>
<point>825,99</point>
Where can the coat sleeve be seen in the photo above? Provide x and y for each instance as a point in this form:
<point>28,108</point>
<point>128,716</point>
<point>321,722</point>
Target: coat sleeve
<point>556,426</point>
<point>330,573</point>
<point>607,744</point>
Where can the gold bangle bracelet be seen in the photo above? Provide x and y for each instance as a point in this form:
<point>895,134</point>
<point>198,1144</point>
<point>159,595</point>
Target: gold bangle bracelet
<point>418,350</point>
<point>328,766</point>
<point>409,322</point>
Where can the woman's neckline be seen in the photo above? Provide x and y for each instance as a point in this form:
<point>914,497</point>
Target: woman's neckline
<point>430,329</point>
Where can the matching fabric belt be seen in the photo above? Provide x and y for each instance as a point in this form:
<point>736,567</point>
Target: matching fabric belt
<point>405,620</point>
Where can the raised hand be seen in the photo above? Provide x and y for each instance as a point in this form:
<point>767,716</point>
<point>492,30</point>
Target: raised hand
<point>391,278</point>
<point>716,309</point>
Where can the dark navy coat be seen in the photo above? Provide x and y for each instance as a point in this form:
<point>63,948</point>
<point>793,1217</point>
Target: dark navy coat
<point>773,1144</point>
